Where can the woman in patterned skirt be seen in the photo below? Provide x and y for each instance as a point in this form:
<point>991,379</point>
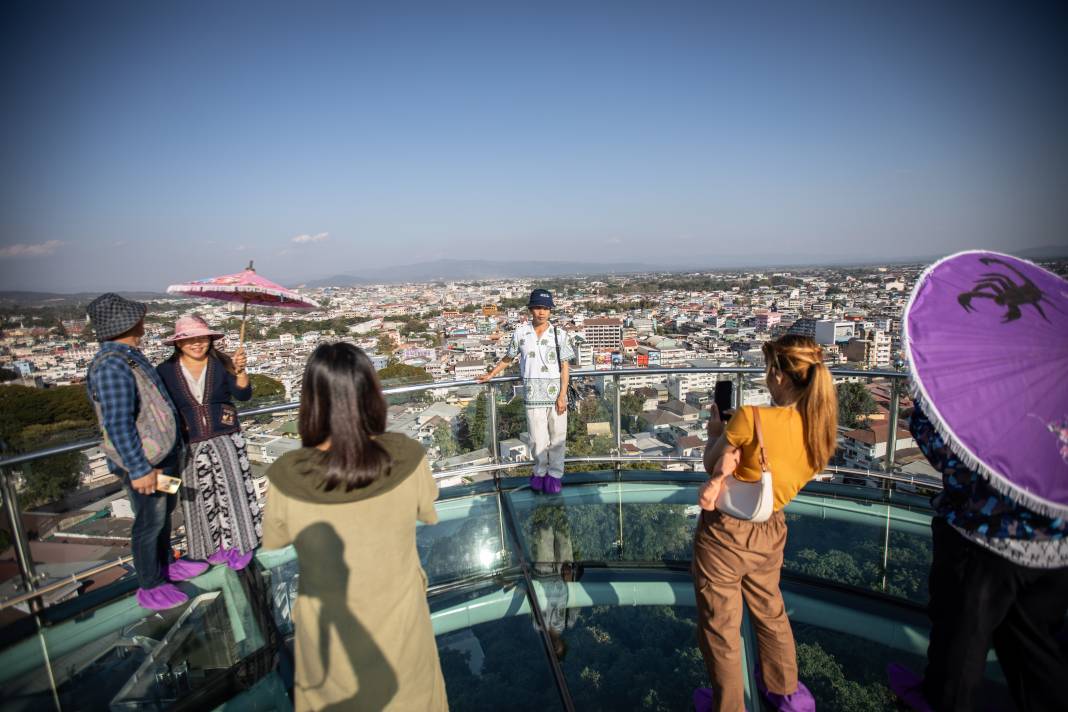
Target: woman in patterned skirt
<point>223,520</point>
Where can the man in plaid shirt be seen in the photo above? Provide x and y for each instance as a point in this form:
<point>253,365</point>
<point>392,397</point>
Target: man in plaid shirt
<point>119,326</point>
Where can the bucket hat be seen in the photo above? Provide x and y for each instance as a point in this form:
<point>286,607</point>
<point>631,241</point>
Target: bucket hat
<point>191,326</point>
<point>112,315</point>
<point>540,298</point>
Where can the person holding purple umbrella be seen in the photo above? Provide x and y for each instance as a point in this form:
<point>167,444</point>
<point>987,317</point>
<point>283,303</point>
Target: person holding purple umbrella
<point>223,519</point>
<point>986,336</point>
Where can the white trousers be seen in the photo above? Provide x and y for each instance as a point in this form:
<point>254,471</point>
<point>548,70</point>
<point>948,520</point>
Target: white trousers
<point>548,439</point>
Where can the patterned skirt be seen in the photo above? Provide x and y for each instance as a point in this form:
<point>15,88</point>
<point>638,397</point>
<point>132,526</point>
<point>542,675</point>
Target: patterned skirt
<point>219,498</point>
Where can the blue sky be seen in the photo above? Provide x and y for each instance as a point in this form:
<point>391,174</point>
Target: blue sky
<point>146,144</point>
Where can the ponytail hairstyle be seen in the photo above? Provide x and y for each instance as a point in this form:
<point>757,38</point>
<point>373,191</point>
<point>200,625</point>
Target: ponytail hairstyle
<point>341,399</point>
<point>801,360</point>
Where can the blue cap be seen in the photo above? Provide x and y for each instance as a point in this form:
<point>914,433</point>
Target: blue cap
<point>540,298</point>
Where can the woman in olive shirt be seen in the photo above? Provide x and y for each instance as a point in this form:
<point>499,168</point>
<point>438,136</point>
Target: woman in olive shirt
<point>734,558</point>
<point>348,501</point>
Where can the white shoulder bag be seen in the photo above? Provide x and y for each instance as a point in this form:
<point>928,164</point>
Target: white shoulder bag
<point>749,500</point>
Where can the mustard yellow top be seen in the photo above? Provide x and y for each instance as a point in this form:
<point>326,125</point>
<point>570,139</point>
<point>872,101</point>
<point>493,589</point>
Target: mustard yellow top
<point>784,444</point>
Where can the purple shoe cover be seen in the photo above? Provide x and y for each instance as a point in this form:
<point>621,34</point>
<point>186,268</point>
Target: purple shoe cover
<point>221,556</point>
<point>238,560</point>
<point>908,686</point>
<point>537,482</point>
<point>553,485</point>
<point>800,700</point>
<point>183,570</point>
<point>161,597</point>
<point>702,699</point>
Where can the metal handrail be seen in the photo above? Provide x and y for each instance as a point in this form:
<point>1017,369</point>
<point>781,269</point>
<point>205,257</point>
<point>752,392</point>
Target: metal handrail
<point>20,458</point>
<point>22,544</point>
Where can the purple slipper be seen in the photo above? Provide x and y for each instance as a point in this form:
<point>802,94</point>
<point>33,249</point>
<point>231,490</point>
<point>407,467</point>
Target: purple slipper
<point>222,556</point>
<point>801,700</point>
<point>702,699</point>
<point>908,686</point>
<point>537,482</point>
<point>183,569</point>
<point>161,597</point>
<point>238,560</point>
<point>553,485</point>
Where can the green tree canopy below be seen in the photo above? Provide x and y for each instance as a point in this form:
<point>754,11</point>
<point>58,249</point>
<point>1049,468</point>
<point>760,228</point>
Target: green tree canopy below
<point>854,403</point>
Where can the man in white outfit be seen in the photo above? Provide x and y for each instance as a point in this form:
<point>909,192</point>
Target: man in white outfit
<point>544,351</point>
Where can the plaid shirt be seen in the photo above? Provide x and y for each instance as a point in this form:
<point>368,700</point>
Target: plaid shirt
<point>111,382</point>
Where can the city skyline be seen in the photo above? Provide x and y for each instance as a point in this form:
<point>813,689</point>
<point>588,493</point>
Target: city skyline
<point>150,145</point>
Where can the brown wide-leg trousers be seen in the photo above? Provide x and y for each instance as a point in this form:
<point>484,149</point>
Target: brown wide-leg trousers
<point>732,559</point>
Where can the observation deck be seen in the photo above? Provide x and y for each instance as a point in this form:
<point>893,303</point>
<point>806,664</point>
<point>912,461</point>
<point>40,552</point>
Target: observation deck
<point>581,600</point>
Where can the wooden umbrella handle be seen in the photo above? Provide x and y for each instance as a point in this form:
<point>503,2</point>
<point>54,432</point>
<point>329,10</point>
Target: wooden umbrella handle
<point>244,314</point>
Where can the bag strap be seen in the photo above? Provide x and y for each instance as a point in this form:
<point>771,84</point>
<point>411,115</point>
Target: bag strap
<point>760,439</point>
<point>556,338</point>
<point>97,360</point>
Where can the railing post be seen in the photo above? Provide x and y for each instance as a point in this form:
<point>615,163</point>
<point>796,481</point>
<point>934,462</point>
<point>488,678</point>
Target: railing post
<point>619,420</point>
<point>18,537</point>
<point>491,393</point>
<point>891,433</point>
<point>739,394</point>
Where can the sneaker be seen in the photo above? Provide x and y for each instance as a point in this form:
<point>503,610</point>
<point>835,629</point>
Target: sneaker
<point>908,686</point>
<point>537,482</point>
<point>222,556</point>
<point>553,485</point>
<point>238,560</point>
<point>183,569</point>
<point>161,597</point>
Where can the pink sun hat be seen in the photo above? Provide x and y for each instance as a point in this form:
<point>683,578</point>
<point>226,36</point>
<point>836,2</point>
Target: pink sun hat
<point>191,326</point>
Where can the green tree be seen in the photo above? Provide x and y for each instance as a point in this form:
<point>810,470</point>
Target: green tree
<point>444,440</point>
<point>6,374</point>
<point>854,402</point>
<point>472,427</point>
<point>825,676</point>
<point>386,345</point>
<point>396,373</point>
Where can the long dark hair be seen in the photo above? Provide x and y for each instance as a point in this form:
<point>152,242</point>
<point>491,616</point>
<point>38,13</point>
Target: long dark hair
<point>341,399</point>
<point>224,359</point>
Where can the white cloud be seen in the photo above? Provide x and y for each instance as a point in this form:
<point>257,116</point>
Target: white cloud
<point>36,250</point>
<point>318,237</point>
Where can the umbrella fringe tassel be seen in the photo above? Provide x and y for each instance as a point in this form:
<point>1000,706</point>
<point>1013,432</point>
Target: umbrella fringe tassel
<point>994,479</point>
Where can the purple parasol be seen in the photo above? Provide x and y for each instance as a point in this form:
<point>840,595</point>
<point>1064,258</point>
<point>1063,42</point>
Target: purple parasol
<point>986,336</point>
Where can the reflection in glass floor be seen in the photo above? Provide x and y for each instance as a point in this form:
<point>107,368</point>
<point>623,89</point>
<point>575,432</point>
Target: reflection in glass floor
<point>607,566</point>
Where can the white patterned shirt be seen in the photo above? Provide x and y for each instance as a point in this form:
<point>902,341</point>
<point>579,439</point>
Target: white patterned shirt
<point>538,363</point>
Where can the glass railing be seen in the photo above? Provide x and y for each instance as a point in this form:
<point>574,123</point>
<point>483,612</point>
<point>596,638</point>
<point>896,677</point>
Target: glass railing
<point>65,515</point>
<point>512,576</point>
<point>605,563</point>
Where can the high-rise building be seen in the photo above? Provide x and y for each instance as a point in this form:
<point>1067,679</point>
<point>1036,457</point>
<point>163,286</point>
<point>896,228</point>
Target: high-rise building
<point>603,333</point>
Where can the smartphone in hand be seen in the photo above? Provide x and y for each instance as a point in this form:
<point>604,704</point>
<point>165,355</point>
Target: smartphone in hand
<point>723,397</point>
<point>168,484</point>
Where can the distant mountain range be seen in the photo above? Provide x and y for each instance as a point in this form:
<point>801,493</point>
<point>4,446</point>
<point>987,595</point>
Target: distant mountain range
<point>43,299</point>
<point>473,269</point>
<point>454,270</point>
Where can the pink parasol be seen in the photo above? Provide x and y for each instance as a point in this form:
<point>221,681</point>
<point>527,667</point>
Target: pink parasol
<point>246,287</point>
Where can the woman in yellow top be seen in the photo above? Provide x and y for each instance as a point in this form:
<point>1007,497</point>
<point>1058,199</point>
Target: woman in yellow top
<point>734,558</point>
